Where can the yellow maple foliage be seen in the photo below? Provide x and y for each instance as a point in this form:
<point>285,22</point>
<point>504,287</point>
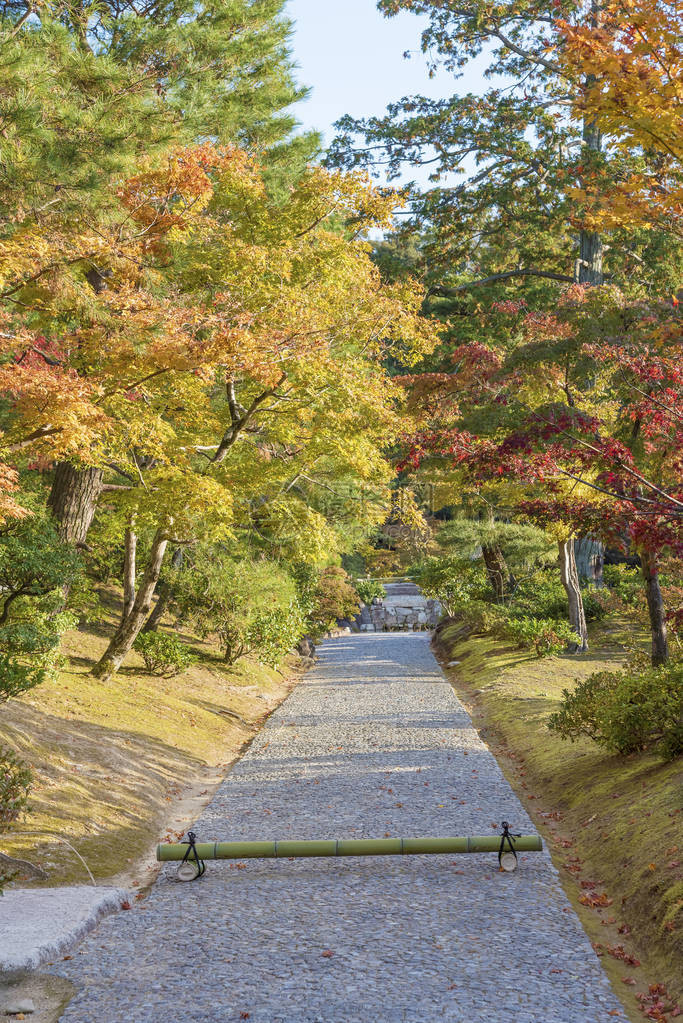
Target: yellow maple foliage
<point>628,73</point>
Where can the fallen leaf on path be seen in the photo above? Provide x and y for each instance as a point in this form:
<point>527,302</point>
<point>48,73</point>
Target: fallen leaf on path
<point>328,953</point>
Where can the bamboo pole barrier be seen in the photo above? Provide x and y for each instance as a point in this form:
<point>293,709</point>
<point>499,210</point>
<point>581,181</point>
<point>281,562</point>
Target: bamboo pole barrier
<point>345,847</point>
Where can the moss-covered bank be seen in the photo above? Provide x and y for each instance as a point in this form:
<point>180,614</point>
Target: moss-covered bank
<point>614,824</point>
<point>120,764</point>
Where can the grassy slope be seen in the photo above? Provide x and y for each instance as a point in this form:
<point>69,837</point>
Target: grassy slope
<point>618,820</point>
<point>112,759</point>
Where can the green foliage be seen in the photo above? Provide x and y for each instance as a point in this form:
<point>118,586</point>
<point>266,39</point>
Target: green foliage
<point>17,678</point>
<point>626,582</point>
<point>334,597</point>
<point>81,110</point>
<point>543,635</point>
<point>34,565</point>
<point>369,589</point>
<point>163,653</point>
<point>15,784</point>
<point>541,595</point>
<point>451,580</point>
<point>274,631</point>
<point>33,562</point>
<point>524,547</point>
<point>252,606</point>
<point>627,711</point>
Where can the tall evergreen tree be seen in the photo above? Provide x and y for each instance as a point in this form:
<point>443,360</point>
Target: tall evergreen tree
<point>506,165</point>
<point>89,88</point>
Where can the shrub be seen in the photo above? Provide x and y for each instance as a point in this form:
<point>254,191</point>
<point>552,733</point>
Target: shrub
<point>15,784</point>
<point>597,603</point>
<point>274,631</point>
<point>247,604</point>
<point>626,711</point>
<point>626,582</point>
<point>369,589</point>
<point>541,595</point>
<point>17,678</point>
<point>334,597</point>
<point>163,654</point>
<point>544,635</point>
<point>451,581</point>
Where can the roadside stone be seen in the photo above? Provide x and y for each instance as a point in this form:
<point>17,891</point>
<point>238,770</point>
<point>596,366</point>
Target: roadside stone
<point>24,1005</point>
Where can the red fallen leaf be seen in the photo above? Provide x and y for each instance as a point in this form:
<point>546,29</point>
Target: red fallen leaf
<point>245,1015</point>
<point>618,952</point>
<point>328,953</point>
<point>627,980</point>
<point>595,901</point>
<point>624,929</point>
<point>614,1012</point>
<point>597,948</point>
<point>588,884</point>
<point>674,864</point>
<point>125,905</point>
<point>676,1011</point>
<point>67,957</point>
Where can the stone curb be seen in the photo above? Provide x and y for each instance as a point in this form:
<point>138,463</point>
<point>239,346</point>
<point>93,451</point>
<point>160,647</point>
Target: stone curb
<point>40,924</point>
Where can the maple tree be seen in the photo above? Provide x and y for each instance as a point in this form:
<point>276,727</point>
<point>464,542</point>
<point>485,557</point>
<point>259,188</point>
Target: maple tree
<point>627,71</point>
<point>220,305</point>
<point>579,420</point>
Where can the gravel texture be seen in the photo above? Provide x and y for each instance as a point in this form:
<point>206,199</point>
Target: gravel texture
<point>373,742</point>
<point>39,924</point>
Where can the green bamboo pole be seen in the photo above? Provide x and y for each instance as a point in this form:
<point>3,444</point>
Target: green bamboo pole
<point>345,847</point>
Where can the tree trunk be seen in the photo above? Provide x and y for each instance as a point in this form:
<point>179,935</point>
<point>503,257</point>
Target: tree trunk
<point>655,607</point>
<point>590,559</point>
<point>570,581</point>
<point>165,594</point>
<point>496,568</point>
<point>73,500</point>
<point>129,568</point>
<point>127,632</point>
<point>590,244</point>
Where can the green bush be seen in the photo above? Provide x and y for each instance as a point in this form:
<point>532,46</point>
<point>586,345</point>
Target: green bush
<point>163,653</point>
<point>451,581</point>
<point>251,605</point>
<point>626,711</point>
<point>17,678</point>
<point>541,595</point>
<point>596,603</point>
<point>15,784</point>
<point>369,589</point>
<point>334,597</point>
<point>626,582</point>
<point>274,631</point>
<point>543,635</point>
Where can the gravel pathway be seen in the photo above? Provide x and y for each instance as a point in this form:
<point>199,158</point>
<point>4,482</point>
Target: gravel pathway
<point>373,742</point>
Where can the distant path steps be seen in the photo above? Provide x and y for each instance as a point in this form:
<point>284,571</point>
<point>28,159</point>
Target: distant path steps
<point>373,742</point>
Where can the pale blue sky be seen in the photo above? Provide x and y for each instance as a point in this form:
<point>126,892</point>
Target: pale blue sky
<point>352,58</point>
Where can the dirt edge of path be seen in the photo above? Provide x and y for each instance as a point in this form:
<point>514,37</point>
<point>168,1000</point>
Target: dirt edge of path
<point>561,831</point>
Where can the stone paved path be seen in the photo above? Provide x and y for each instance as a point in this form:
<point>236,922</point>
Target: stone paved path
<point>373,742</point>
